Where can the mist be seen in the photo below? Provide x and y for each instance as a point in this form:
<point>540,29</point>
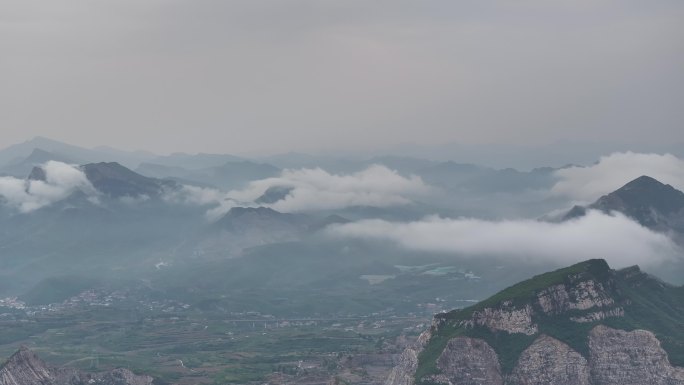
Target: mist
<point>61,180</point>
<point>310,190</point>
<point>613,171</point>
<point>616,238</point>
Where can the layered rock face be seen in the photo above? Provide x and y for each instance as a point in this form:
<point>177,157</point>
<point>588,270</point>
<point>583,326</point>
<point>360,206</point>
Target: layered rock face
<point>507,318</point>
<point>549,361</point>
<point>514,338</point>
<point>616,358</point>
<point>630,358</point>
<point>404,371</point>
<point>471,361</point>
<point>25,368</point>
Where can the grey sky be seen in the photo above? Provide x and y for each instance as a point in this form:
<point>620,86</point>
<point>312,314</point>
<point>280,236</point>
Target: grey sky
<point>277,75</point>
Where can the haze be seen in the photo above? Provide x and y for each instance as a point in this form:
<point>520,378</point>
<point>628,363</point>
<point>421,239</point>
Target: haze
<point>267,76</point>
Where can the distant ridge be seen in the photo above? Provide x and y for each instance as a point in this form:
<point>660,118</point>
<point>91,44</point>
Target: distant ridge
<point>648,201</point>
<point>118,181</point>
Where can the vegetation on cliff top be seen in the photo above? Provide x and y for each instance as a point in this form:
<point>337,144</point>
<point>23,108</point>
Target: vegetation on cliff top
<point>648,304</point>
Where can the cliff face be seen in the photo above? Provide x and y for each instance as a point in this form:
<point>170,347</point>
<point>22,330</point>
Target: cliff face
<point>25,368</point>
<point>630,358</point>
<point>549,361</point>
<point>404,371</point>
<point>553,330</point>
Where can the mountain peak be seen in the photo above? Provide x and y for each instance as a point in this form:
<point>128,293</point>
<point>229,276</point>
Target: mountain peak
<point>37,173</point>
<point>643,180</point>
<point>26,367</point>
<point>116,180</point>
<point>645,199</point>
<point>647,184</point>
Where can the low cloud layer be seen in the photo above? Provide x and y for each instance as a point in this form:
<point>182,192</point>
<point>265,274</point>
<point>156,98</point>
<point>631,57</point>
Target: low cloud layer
<point>316,189</point>
<point>614,171</point>
<point>615,238</point>
<point>194,195</point>
<point>61,180</point>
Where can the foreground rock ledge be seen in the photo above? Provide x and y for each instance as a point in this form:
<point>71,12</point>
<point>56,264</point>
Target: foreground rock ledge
<point>25,368</point>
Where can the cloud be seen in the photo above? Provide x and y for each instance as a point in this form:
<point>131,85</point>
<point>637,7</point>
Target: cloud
<point>316,189</point>
<point>614,171</point>
<point>61,180</point>
<point>194,195</point>
<point>615,238</point>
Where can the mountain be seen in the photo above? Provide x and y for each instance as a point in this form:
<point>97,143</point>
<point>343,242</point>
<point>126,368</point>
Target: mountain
<point>274,194</point>
<point>241,218</point>
<point>17,152</point>
<point>584,324</point>
<point>25,368</point>
<point>228,175</point>
<point>194,161</point>
<point>651,203</point>
<point>37,157</point>
<point>238,174</point>
<point>245,227</point>
<point>479,179</point>
<point>118,181</point>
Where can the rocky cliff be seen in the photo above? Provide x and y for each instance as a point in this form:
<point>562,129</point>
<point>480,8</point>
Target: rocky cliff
<point>25,368</point>
<point>582,325</point>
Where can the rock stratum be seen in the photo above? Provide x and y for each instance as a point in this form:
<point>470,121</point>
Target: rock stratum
<point>25,368</point>
<point>582,325</point>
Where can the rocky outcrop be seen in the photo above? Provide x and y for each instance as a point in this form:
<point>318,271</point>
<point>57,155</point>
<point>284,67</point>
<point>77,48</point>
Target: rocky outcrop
<point>506,318</point>
<point>584,295</point>
<point>619,357</point>
<point>468,361</point>
<point>549,330</point>
<point>549,361</point>
<point>616,357</point>
<point>404,371</point>
<point>25,368</point>
<point>599,315</point>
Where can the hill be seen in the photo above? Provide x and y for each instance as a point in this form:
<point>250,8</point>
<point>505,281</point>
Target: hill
<point>584,324</point>
<point>653,204</point>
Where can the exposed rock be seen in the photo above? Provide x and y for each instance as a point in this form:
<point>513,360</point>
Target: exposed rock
<point>404,371</point>
<point>619,357</point>
<point>599,315</point>
<point>25,368</point>
<point>122,377</point>
<point>37,173</point>
<point>468,361</point>
<point>555,303</point>
<point>507,318</point>
<point>549,361</point>
<point>583,295</point>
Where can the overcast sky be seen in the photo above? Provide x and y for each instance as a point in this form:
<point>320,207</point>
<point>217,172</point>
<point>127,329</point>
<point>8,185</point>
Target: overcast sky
<point>278,75</point>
